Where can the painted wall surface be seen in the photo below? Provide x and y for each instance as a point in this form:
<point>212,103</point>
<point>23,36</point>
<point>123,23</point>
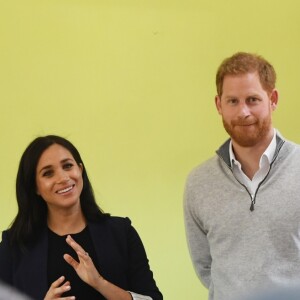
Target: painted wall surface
<point>131,83</point>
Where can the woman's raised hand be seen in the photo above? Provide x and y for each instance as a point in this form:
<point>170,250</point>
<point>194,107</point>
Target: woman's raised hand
<point>87,271</point>
<point>85,267</point>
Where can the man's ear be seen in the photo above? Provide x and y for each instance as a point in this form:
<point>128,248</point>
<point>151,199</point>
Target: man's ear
<point>218,104</point>
<point>274,99</point>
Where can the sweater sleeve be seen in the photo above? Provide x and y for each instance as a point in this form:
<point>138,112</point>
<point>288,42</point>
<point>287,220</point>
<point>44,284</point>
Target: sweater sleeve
<point>197,237</point>
<point>8,292</point>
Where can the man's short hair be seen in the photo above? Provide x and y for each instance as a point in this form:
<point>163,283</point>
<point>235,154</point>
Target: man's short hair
<point>242,63</point>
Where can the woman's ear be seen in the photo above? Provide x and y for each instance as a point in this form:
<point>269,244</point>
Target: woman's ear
<point>81,167</point>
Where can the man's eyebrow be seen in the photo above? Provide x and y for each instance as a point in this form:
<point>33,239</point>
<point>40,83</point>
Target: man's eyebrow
<point>230,96</point>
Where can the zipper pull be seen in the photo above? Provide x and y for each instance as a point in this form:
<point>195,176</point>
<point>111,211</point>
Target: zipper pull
<point>252,203</point>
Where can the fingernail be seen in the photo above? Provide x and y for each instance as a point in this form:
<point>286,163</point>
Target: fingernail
<point>68,287</point>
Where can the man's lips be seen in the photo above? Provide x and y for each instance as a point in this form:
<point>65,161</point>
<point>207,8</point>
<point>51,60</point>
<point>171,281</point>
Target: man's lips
<point>66,189</point>
<point>244,123</point>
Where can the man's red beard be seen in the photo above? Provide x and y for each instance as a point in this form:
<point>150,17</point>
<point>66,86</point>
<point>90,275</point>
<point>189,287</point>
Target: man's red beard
<point>248,136</point>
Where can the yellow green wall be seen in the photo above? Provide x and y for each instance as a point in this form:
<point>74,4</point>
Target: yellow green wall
<point>131,83</point>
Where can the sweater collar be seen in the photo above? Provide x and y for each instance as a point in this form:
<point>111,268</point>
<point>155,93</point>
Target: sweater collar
<point>223,151</point>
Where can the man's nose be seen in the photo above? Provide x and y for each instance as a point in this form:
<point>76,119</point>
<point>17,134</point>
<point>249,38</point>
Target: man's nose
<point>244,109</point>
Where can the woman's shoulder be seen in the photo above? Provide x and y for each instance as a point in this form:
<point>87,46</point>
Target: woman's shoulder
<point>116,230</point>
<point>5,233</point>
<point>4,236</point>
<point>9,239</point>
<point>113,222</point>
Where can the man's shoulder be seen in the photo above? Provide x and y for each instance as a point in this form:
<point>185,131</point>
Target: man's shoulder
<point>205,169</point>
<point>289,148</point>
<point>292,144</point>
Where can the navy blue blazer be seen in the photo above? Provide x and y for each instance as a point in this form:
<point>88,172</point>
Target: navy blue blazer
<point>120,253</point>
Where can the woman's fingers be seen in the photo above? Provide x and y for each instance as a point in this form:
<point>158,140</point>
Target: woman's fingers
<point>57,289</point>
<point>77,248</point>
<point>73,244</point>
<point>83,255</point>
<point>83,265</point>
<point>83,258</point>
<point>58,282</point>
<point>71,261</point>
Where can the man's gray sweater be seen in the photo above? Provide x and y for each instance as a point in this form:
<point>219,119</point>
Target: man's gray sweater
<point>236,250</point>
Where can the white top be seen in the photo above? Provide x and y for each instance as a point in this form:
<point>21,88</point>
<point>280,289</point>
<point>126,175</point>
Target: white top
<point>136,296</point>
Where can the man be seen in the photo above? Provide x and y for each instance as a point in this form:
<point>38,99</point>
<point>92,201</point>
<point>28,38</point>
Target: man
<point>242,207</point>
<point>290,293</point>
<point>9,293</point>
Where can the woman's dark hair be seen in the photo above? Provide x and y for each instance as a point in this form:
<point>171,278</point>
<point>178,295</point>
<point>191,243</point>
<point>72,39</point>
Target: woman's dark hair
<point>32,210</point>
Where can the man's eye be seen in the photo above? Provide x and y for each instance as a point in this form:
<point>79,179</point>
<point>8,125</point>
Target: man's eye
<point>232,101</point>
<point>252,100</point>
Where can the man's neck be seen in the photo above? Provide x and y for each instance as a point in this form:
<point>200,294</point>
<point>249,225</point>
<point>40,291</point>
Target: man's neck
<point>249,157</point>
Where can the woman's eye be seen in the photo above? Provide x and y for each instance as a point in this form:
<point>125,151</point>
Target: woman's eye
<point>68,166</point>
<point>47,173</point>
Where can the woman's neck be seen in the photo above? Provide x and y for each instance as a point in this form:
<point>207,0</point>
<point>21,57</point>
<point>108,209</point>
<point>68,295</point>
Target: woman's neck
<point>63,223</point>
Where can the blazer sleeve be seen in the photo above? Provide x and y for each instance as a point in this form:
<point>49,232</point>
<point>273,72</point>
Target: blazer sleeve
<point>6,262</point>
<point>141,278</point>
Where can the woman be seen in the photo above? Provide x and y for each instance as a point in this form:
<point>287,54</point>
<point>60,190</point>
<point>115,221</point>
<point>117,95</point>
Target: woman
<point>61,245</point>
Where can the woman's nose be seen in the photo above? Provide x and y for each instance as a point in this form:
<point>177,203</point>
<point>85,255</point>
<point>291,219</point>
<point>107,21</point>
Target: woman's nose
<point>62,177</point>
